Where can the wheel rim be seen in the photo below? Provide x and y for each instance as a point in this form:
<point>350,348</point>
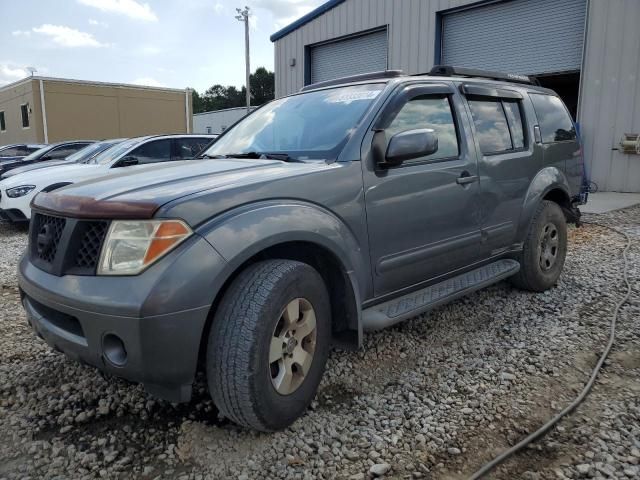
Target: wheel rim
<point>549,246</point>
<point>293,345</point>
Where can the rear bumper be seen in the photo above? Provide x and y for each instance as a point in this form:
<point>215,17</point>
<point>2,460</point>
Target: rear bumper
<point>146,328</point>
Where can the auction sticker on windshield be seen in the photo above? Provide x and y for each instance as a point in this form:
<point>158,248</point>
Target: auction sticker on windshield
<point>348,97</point>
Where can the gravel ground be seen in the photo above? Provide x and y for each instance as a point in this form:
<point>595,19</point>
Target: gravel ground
<point>433,398</point>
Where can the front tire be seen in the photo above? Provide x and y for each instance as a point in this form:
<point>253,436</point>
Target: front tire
<point>545,249</point>
<point>269,343</point>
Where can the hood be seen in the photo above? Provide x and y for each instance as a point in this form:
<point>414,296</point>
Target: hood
<point>36,166</point>
<point>138,192</point>
<point>42,178</point>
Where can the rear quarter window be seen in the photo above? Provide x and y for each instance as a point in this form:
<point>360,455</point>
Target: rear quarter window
<point>553,118</point>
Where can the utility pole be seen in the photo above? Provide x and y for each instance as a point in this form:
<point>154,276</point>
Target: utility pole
<point>243,16</point>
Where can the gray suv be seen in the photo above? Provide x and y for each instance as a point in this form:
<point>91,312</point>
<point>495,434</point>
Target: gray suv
<point>350,206</point>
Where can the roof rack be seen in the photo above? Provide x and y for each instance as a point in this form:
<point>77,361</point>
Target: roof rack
<point>450,71</point>
<point>355,78</point>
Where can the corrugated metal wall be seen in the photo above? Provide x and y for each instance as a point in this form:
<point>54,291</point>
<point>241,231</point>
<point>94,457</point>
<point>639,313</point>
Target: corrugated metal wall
<point>507,36</point>
<point>610,91</point>
<point>361,54</point>
<point>610,96</point>
<point>218,120</point>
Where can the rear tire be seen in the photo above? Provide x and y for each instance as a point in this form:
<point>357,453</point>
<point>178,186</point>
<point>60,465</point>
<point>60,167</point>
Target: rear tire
<point>545,249</point>
<point>268,344</point>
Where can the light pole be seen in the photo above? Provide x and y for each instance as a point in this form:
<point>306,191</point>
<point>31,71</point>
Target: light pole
<point>243,16</point>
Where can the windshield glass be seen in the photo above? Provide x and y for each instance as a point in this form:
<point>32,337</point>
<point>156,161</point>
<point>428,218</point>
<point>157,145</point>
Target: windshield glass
<point>312,125</point>
<point>110,154</point>
<point>38,153</point>
<point>88,152</point>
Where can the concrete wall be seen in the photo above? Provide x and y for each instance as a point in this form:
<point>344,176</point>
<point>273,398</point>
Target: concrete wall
<point>218,120</point>
<point>610,89</point>
<point>87,110</point>
<point>10,100</point>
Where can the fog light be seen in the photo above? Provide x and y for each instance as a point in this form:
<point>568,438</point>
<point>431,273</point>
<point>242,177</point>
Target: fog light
<point>113,349</point>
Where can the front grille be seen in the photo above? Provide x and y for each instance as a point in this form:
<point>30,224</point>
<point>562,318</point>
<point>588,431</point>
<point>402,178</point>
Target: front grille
<point>89,251</point>
<point>48,231</point>
<point>62,246</point>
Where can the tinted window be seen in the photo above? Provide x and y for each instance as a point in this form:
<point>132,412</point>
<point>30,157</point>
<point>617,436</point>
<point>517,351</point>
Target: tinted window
<point>64,151</point>
<point>554,120</point>
<point>154,151</point>
<point>3,126</point>
<point>491,126</point>
<point>428,112</point>
<point>13,152</point>
<point>110,154</point>
<point>190,147</point>
<point>514,116</point>
<point>24,109</point>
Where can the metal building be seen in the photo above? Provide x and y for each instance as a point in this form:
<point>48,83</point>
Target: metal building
<point>46,110</point>
<point>217,121</point>
<point>588,51</point>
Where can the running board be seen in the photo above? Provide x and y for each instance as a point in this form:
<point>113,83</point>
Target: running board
<point>399,309</point>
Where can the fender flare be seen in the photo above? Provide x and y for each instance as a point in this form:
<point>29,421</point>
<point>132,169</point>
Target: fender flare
<point>241,233</point>
<point>546,180</point>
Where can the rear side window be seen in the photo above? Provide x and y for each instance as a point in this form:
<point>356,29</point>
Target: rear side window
<point>190,147</point>
<point>499,125</point>
<point>64,151</point>
<point>154,151</point>
<point>12,152</point>
<point>429,112</point>
<point>554,120</point>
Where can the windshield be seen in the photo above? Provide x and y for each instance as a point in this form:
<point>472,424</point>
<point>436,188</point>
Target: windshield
<point>89,152</point>
<point>38,153</point>
<point>313,125</point>
<point>110,154</point>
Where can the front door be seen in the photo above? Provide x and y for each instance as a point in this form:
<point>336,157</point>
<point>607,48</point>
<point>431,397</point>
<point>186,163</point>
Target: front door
<point>423,214</point>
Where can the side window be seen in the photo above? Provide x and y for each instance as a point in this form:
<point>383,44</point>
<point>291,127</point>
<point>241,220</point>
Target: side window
<point>154,151</point>
<point>64,151</point>
<point>190,147</point>
<point>11,152</point>
<point>514,116</point>
<point>3,125</point>
<point>429,112</point>
<point>24,110</point>
<point>555,123</point>
<point>491,126</point>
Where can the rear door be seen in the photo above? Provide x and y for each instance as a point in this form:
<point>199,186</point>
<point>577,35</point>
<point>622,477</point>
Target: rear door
<point>558,138</point>
<point>422,215</point>
<point>507,159</point>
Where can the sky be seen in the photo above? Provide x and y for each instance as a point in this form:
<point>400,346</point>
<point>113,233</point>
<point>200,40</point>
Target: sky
<point>169,43</point>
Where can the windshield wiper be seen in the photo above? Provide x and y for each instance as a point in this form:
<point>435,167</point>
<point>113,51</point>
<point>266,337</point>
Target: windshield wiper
<point>260,155</point>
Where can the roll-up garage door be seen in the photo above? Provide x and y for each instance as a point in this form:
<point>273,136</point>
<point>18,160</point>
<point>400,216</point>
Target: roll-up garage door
<point>516,36</point>
<point>351,56</point>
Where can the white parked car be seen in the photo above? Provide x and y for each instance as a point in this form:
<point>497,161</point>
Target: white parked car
<point>18,191</point>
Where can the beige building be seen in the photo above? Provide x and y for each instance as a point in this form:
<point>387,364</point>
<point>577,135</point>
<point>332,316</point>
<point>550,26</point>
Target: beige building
<point>46,110</point>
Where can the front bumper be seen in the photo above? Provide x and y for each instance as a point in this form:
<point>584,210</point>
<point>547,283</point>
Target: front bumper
<point>146,328</point>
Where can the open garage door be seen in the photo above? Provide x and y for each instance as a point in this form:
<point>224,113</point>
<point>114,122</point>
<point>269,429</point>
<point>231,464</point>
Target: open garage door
<point>351,56</point>
<point>517,36</point>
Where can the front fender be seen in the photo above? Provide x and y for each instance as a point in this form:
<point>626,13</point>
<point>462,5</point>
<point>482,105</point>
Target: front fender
<point>243,232</point>
<point>546,180</point>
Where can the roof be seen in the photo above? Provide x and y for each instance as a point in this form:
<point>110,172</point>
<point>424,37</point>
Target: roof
<point>325,7</point>
<point>88,82</point>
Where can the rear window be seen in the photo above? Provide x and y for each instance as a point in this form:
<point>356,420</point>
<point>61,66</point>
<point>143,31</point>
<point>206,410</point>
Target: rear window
<point>554,120</point>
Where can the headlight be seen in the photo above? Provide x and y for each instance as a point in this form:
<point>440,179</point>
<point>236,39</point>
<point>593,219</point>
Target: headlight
<point>132,245</point>
<point>20,191</point>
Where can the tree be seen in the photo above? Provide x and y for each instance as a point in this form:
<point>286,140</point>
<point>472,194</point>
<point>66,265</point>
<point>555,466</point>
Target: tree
<point>218,96</point>
<point>262,84</point>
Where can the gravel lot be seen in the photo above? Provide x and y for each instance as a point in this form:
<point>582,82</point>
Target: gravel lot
<point>433,398</point>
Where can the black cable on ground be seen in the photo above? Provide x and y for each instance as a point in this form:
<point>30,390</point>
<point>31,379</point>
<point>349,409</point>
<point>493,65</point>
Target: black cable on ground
<point>487,467</point>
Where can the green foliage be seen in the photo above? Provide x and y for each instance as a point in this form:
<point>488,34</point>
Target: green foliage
<point>218,96</point>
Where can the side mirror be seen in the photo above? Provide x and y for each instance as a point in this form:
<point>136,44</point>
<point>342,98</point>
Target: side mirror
<point>128,161</point>
<point>410,144</point>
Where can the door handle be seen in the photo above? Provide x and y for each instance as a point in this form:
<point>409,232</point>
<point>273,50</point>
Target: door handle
<point>466,178</point>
